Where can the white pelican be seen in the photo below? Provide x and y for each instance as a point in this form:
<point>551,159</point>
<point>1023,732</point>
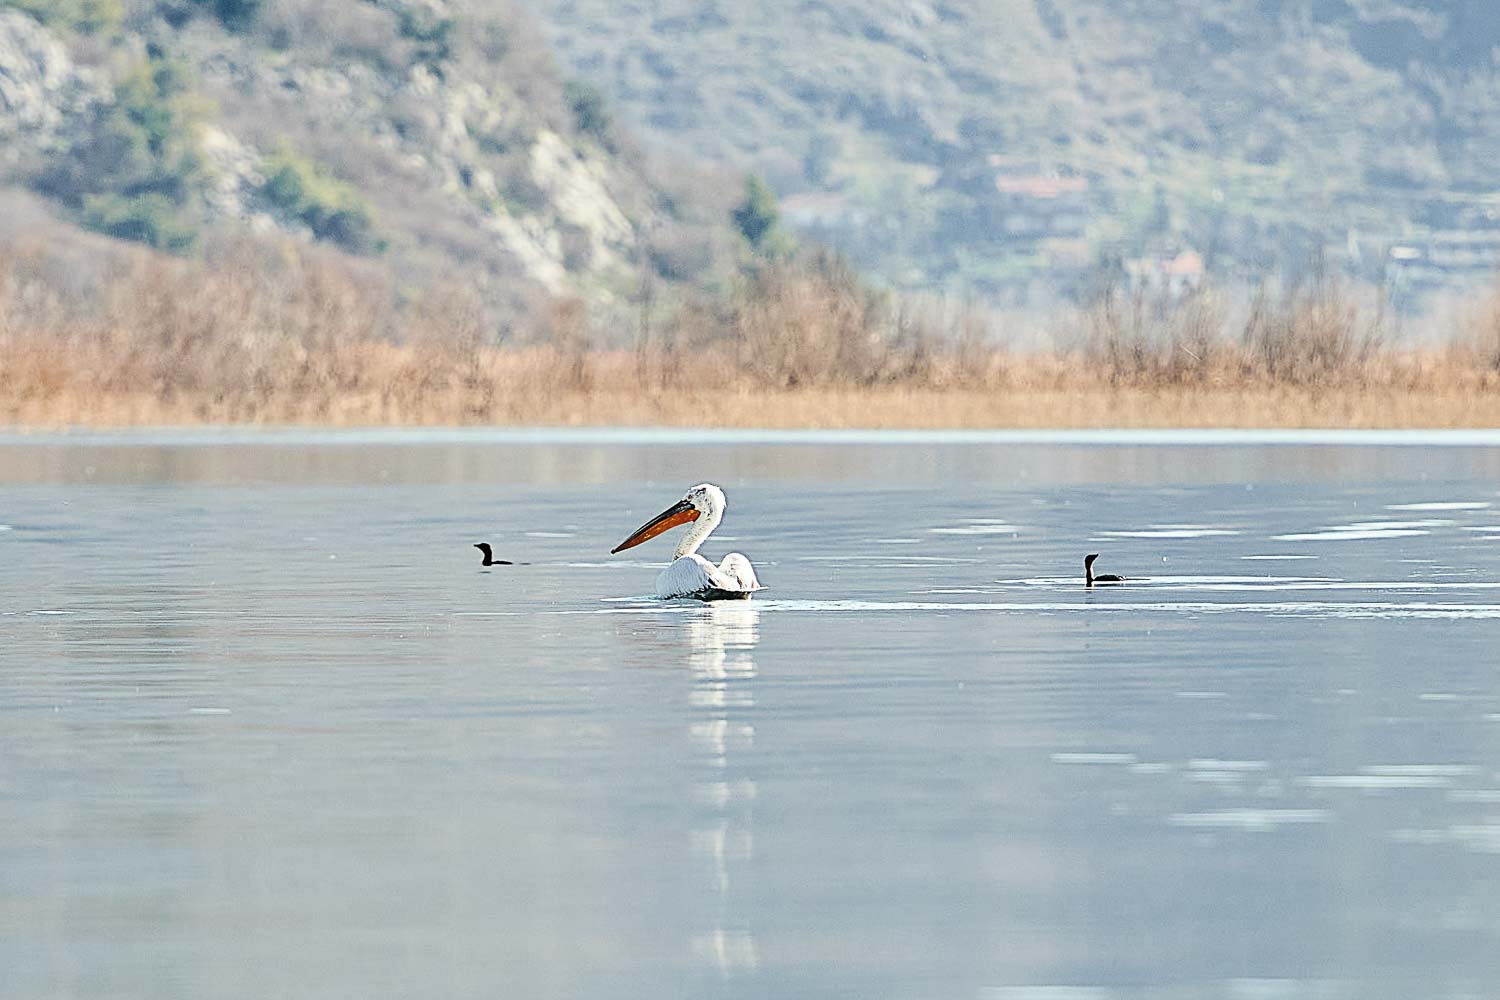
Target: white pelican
<point>691,575</point>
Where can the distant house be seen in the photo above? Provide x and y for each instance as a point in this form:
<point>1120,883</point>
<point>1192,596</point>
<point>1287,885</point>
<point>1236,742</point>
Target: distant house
<point>1018,226</point>
<point>1446,261</point>
<point>1175,275</point>
<point>1040,206</point>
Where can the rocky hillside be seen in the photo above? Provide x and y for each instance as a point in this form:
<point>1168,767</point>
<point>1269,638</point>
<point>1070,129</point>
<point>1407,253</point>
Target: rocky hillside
<point>988,144</point>
<point>435,139</point>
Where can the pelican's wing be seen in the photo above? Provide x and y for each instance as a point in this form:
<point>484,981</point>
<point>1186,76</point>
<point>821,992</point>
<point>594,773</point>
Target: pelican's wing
<point>737,568</point>
<point>695,576</point>
<point>690,575</point>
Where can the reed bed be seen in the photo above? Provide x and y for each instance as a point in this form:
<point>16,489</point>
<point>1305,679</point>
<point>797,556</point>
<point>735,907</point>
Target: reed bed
<point>272,335</point>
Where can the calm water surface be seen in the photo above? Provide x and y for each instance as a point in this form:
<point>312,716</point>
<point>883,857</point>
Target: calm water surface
<point>267,729</point>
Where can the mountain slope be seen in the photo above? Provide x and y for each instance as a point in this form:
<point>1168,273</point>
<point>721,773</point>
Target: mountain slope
<point>434,138</point>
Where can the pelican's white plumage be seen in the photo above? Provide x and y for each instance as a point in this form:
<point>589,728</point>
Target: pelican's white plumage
<point>694,576</point>
<point>691,575</point>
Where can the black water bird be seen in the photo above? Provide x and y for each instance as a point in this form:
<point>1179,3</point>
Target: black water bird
<point>1089,579</point>
<point>489,557</point>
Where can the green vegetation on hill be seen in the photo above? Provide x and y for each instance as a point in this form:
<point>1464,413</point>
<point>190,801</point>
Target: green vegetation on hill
<point>431,35</point>
<point>333,210</point>
<point>135,171</point>
<point>589,110</point>
<point>236,14</point>
<point>87,16</point>
<point>756,217</point>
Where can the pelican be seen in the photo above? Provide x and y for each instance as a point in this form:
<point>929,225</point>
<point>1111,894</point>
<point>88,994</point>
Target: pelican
<point>691,575</point>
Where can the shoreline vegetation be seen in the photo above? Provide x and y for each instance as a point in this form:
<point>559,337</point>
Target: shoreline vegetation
<point>263,335</point>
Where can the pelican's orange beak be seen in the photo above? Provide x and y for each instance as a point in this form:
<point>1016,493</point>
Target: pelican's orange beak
<point>680,512</point>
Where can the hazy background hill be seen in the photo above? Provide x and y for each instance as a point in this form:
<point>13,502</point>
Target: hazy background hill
<point>537,153</point>
<point>1011,147</point>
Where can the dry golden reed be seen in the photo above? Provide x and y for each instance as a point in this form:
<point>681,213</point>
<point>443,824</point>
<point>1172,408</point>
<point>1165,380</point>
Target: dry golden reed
<point>263,334</point>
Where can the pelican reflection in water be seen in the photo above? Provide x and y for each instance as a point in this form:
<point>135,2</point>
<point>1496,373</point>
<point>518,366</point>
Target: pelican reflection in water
<point>721,640</point>
<point>691,575</point>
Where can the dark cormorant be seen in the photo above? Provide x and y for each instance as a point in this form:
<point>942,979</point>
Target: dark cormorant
<point>489,557</point>
<point>1089,579</point>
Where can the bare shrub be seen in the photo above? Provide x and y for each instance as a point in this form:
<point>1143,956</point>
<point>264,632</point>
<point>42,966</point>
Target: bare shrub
<point>1116,336</point>
<point>685,346</point>
<point>1477,340</point>
<point>1316,334</point>
<point>815,324</point>
<point>281,332</point>
<point>567,333</point>
<point>975,356</point>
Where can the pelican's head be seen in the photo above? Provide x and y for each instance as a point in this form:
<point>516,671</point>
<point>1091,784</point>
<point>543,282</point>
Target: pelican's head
<point>702,501</point>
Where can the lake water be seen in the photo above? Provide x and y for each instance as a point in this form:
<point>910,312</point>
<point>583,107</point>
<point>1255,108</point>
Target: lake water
<point>268,729</point>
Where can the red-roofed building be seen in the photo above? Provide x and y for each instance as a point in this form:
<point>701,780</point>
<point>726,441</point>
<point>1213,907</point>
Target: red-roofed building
<point>1040,206</point>
<point>1173,274</point>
